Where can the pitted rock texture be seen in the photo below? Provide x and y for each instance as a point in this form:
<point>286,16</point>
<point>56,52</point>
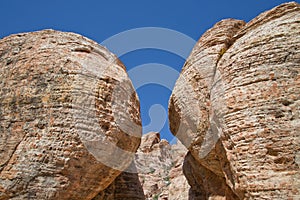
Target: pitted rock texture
<point>236,107</point>
<point>69,117</point>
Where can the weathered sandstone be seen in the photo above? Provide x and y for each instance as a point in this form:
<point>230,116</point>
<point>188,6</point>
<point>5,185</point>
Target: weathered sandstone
<point>236,107</point>
<point>69,117</point>
<point>159,166</point>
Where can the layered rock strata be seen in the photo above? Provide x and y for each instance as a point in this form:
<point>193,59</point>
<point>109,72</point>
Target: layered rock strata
<point>69,117</point>
<point>236,107</point>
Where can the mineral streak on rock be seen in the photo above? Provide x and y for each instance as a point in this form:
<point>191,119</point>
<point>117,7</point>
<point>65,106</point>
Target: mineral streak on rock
<point>66,108</point>
<point>236,106</point>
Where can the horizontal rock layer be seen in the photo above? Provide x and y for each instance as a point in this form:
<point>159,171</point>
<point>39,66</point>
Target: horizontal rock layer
<point>69,117</point>
<point>236,107</point>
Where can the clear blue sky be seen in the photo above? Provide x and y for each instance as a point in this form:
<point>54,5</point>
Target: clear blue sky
<point>100,20</point>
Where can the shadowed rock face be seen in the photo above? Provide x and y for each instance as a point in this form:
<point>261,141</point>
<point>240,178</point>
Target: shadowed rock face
<point>126,186</point>
<point>236,106</point>
<point>69,117</point>
<point>158,173</point>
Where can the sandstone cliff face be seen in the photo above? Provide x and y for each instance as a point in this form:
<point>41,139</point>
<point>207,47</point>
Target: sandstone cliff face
<point>236,107</point>
<point>159,166</point>
<point>69,117</point>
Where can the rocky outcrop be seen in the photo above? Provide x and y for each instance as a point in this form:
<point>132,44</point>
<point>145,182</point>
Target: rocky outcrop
<point>158,173</point>
<point>70,124</point>
<point>154,161</point>
<point>236,107</point>
<point>159,166</point>
<point>69,117</point>
<point>179,187</point>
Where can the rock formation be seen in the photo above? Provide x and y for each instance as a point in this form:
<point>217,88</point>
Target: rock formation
<point>179,187</point>
<point>69,117</point>
<point>236,107</point>
<point>160,168</point>
<point>158,173</point>
<point>70,123</point>
<point>126,186</point>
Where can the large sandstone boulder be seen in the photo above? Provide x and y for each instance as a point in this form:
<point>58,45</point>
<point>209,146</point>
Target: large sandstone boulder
<point>69,117</point>
<point>236,107</point>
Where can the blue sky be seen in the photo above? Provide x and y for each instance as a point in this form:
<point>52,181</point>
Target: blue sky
<point>100,20</point>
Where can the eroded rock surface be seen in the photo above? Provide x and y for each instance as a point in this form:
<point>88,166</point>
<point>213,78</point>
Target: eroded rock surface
<point>236,107</point>
<point>159,166</point>
<point>179,187</point>
<point>69,117</point>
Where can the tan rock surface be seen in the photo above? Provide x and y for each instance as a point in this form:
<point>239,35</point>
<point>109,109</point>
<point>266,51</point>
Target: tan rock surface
<point>236,107</point>
<point>205,184</point>
<point>153,160</point>
<point>159,166</point>
<point>69,117</point>
<point>190,111</point>
<point>179,187</point>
